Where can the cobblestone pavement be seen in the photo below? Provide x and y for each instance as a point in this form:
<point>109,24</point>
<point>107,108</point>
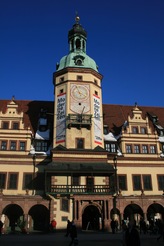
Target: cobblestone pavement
<point>85,239</point>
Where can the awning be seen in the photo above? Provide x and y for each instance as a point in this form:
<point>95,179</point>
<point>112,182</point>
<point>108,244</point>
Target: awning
<point>82,168</point>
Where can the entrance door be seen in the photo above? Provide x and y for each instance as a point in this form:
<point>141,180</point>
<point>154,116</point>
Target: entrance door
<point>91,218</point>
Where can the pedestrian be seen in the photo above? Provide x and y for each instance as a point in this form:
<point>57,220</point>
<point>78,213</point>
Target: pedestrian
<point>53,225</point>
<point>160,230</point>
<point>113,226</point>
<point>73,234</point>
<point>68,228</point>
<point>124,228</point>
<point>132,236</point>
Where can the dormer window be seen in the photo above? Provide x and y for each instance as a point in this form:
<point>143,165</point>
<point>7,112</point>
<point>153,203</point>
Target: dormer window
<point>134,130</point>
<point>143,130</point>
<point>15,125</point>
<point>79,62</point>
<point>5,125</point>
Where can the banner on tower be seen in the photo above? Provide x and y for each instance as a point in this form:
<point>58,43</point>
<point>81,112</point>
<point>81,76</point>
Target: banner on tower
<point>97,120</point>
<point>61,118</point>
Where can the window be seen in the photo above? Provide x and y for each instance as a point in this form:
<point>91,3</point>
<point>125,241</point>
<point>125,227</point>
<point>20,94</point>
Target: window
<point>136,149</point>
<point>15,125</point>
<point>61,91</point>
<point>90,184</point>
<point>144,149</point>
<point>106,130</point>
<point>61,79</point>
<point>111,147</point>
<point>75,180</point>
<point>79,77</point>
<point>134,130</point>
<point>147,184</point>
<point>22,146</point>
<point>112,182</point>
<point>4,145</point>
<point>128,149</point>
<point>143,130</point>
<point>5,125</point>
<point>162,148</point>
<point>122,182</point>
<point>96,93</point>
<point>80,143</point>
<point>64,204</point>
<point>13,145</point>
<point>160,179</point>
<point>136,182</point>
<point>27,181</point>
<point>152,149</point>
<point>95,81</point>
<point>41,146</point>
<point>2,180</point>
<point>13,181</point>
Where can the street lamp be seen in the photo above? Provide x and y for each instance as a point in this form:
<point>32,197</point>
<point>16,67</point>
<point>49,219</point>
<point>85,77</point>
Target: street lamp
<point>33,153</point>
<point>115,169</point>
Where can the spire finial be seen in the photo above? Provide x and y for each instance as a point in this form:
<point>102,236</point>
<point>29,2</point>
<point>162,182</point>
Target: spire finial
<point>77,18</point>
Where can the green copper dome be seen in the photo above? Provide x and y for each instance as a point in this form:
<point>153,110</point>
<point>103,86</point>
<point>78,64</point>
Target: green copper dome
<point>77,56</point>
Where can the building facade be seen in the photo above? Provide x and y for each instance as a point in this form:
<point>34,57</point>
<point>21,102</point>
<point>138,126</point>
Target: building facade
<point>76,158</point>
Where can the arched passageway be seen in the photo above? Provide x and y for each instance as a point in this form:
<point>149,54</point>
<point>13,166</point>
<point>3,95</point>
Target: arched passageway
<point>133,211</point>
<point>40,218</point>
<point>155,211</point>
<point>91,218</point>
<point>13,214</point>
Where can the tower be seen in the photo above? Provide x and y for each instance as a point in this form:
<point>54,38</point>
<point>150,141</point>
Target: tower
<point>78,121</point>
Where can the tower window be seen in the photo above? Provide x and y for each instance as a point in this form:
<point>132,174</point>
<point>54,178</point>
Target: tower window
<point>78,44</point>
<point>80,143</point>
<point>61,79</point>
<point>79,77</point>
<point>96,93</point>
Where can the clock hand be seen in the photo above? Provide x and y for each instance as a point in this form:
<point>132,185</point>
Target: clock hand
<point>78,89</point>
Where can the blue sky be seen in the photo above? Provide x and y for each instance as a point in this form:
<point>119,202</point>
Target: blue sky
<point>125,38</point>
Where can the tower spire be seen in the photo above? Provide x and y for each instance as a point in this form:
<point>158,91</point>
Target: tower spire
<point>77,18</point>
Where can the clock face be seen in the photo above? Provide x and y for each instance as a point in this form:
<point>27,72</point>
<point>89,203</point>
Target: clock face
<point>79,92</point>
<point>80,101</point>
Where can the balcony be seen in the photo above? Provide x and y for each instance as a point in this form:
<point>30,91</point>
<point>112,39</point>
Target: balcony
<point>79,120</point>
<point>80,189</point>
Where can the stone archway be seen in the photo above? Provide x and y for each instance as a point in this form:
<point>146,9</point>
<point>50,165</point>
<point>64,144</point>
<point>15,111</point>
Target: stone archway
<point>91,218</point>
<point>13,213</point>
<point>155,211</point>
<point>40,217</point>
<point>133,211</point>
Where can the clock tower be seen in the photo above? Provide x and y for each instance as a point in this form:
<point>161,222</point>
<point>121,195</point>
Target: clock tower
<point>78,121</point>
